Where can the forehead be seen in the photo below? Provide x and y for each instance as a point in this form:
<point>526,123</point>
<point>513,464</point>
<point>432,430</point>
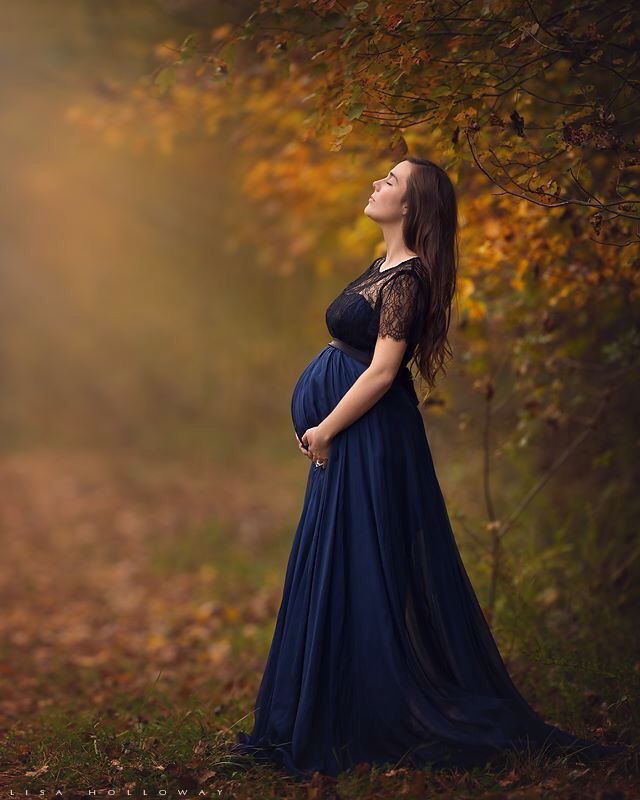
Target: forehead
<point>401,169</point>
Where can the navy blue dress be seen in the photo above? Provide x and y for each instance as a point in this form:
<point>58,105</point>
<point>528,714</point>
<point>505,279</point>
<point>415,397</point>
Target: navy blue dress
<point>381,653</point>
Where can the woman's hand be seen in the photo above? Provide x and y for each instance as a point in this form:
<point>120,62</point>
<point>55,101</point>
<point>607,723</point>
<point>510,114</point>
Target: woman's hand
<point>317,444</point>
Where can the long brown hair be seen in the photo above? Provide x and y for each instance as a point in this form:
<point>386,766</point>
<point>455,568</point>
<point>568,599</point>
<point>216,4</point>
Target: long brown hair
<point>430,229</point>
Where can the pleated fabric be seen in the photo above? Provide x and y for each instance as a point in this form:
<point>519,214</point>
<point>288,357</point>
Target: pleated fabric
<point>381,652</point>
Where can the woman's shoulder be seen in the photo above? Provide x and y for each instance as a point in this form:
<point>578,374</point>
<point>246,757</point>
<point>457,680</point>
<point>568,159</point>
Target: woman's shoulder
<point>407,274</point>
<point>406,284</point>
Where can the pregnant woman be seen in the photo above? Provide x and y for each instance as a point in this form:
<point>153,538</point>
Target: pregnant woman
<point>380,651</point>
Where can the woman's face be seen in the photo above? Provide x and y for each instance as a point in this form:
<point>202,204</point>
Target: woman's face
<point>385,202</point>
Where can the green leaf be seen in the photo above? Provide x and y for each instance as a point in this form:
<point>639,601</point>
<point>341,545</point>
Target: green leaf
<point>355,110</point>
<point>166,78</point>
<point>342,130</point>
<point>228,53</point>
<point>187,48</point>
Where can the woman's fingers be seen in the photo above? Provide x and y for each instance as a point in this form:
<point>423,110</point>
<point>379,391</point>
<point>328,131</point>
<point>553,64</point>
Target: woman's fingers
<point>301,447</point>
<point>309,453</point>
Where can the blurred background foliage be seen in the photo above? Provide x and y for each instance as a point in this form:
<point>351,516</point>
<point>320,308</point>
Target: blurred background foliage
<point>183,186</point>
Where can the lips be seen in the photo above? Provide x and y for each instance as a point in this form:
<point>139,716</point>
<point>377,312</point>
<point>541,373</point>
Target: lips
<point>372,200</point>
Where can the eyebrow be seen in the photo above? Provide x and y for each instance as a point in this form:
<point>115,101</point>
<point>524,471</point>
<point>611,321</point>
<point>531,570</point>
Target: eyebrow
<point>393,176</point>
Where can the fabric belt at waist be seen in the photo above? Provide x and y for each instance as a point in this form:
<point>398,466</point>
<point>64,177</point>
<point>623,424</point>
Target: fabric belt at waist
<point>403,376</point>
<point>360,355</point>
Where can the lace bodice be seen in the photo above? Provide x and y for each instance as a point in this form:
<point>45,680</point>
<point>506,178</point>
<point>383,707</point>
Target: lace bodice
<point>388,303</point>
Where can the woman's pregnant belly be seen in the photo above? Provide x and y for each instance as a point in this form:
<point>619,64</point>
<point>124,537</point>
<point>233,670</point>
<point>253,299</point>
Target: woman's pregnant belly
<point>321,385</point>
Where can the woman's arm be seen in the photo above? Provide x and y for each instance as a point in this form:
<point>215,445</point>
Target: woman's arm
<point>369,387</point>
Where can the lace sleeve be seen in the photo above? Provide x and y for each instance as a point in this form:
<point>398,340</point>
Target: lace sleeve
<point>398,306</point>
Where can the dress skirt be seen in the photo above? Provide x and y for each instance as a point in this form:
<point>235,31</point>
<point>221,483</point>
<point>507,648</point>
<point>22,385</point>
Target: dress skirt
<point>381,653</point>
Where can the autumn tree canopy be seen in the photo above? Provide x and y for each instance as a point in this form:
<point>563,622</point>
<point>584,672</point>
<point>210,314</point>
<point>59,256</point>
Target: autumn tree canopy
<point>530,107</point>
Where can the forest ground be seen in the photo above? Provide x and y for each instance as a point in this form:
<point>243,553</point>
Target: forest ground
<point>138,605</point>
